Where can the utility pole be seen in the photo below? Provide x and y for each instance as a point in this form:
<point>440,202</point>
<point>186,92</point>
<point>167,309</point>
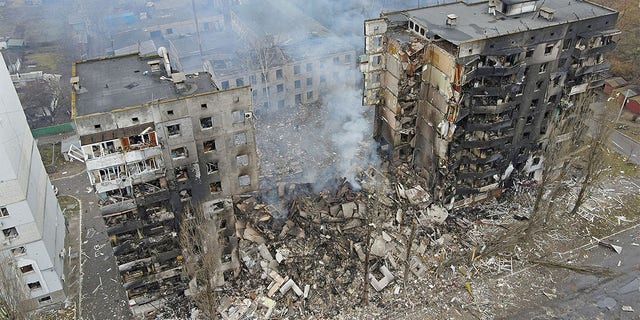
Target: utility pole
<point>195,17</point>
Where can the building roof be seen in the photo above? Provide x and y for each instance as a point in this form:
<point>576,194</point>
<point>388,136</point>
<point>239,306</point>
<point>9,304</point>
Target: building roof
<point>616,82</point>
<point>474,22</point>
<point>118,82</point>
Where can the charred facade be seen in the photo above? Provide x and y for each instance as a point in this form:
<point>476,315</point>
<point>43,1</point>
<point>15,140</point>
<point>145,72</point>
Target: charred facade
<point>155,142</point>
<point>469,96</point>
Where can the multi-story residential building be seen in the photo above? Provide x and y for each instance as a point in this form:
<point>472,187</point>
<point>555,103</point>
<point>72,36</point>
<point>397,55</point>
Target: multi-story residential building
<point>284,65</point>
<point>469,91</point>
<point>32,224</point>
<point>155,140</point>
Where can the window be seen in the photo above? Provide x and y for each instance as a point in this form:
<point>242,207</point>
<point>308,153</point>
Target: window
<point>376,60</point>
<point>206,123</point>
<point>280,87</point>
<point>567,44</point>
<point>18,251</point>
<point>264,92</point>
<point>297,84</point>
<point>44,299</point>
<point>179,153</point>
<point>237,116</point>
<point>280,103</point>
<point>309,67</point>
<point>215,187</point>
<point>203,106</point>
<point>530,53</point>
<point>279,74</point>
<point>296,69</point>
<point>4,212</point>
<point>225,84</point>
<point>212,167</point>
<point>539,84</point>
<point>209,145</point>
<point>309,95</point>
<point>543,67</point>
<point>323,79</point>
<point>242,160</point>
<point>309,81</point>
<point>298,98</point>
<point>240,139</point>
<point>134,119</point>
<point>27,268</point>
<point>182,174</point>
<point>169,31</point>
<point>336,60</point>
<point>347,58</point>
<point>34,285</point>
<point>97,126</point>
<point>10,232</point>
<point>170,112</point>
<point>244,180</point>
<point>548,49</point>
<point>239,82</point>
<point>173,129</point>
<point>253,79</point>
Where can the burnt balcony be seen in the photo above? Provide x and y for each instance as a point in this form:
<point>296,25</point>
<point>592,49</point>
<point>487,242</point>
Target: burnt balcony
<point>494,141</point>
<point>584,52</point>
<point>505,70</point>
<point>493,107</point>
<point>486,125</point>
<point>480,174</point>
<point>600,67</point>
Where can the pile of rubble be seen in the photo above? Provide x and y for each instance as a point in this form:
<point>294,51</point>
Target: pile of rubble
<point>307,256</point>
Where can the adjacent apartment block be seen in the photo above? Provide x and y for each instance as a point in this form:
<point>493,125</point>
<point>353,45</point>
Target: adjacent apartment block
<point>33,227</point>
<point>156,142</point>
<point>288,60</point>
<point>469,91</point>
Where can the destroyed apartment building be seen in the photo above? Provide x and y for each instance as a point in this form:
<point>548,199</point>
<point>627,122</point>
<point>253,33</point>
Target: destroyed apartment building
<point>155,142</point>
<point>469,92</point>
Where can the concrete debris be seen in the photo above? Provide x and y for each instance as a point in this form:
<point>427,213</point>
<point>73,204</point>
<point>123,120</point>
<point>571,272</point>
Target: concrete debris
<point>627,308</point>
<point>607,303</point>
<point>616,249</point>
<point>437,214</point>
<point>379,285</point>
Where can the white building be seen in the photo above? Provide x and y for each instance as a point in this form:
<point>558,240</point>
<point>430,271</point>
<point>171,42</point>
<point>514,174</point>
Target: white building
<point>32,224</point>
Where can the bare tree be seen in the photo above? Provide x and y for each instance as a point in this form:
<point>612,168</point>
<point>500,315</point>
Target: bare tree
<point>262,55</point>
<point>13,291</point>
<point>594,164</point>
<point>202,254</point>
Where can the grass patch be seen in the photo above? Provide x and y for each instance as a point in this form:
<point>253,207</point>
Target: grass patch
<point>69,204</point>
<point>51,157</point>
<point>618,165</point>
<point>47,60</point>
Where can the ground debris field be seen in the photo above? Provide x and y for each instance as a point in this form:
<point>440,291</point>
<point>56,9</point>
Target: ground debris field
<point>305,256</point>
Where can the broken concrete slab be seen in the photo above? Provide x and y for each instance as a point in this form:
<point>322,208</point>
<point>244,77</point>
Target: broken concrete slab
<point>633,286</point>
<point>290,285</point>
<point>379,247</point>
<point>349,209</point>
<point>379,285</point>
<point>437,214</point>
<point>607,303</point>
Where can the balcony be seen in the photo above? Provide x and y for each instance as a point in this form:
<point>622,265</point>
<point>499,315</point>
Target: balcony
<point>484,144</point>
<point>493,108</point>
<point>579,71</point>
<point>584,52</point>
<point>484,125</point>
<point>142,154</point>
<point>109,160</point>
<point>482,174</point>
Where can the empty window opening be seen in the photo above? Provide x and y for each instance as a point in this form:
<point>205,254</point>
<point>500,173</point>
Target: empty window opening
<point>206,122</point>
<point>244,180</point>
<point>336,60</point>
<point>567,44</point>
<point>239,82</point>
<point>309,95</point>
<point>10,233</point>
<point>173,130</point>
<point>97,126</point>
<point>34,285</point>
<point>539,84</point>
<point>27,268</point>
<point>179,153</point>
<point>242,160</point>
<point>209,145</point>
<point>203,106</point>
<point>548,49</point>
<point>309,81</point>
<point>280,88</point>
<point>182,174</point>
<point>18,251</point>
<point>44,299</point>
<point>170,112</point>
<point>225,84</point>
<point>530,53</point>
<point>279,74</point>
<point>309,67</point>
<point>212,167</point>
<point>134,119</point>
<point>298,98</point>
<point>297,84</point>
<point>215,187</point>
<point>240,139</point>
<point>4,212</point>
<point>543,68</point>
<point>347,58</point>
<point>296,69</point>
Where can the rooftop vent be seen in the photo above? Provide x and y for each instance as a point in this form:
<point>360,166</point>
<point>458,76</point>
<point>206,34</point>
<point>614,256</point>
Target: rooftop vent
<point>452,19</point>
<point>492,9</point>
<point>547,13</point>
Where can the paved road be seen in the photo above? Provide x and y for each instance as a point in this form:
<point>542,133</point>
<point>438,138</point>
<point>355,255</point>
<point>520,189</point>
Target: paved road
<point>582,296</point>
<point>102,295</point>
<point>619,142</point>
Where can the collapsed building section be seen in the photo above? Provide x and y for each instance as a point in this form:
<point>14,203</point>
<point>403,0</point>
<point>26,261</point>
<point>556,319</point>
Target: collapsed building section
<point>469,92</point>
